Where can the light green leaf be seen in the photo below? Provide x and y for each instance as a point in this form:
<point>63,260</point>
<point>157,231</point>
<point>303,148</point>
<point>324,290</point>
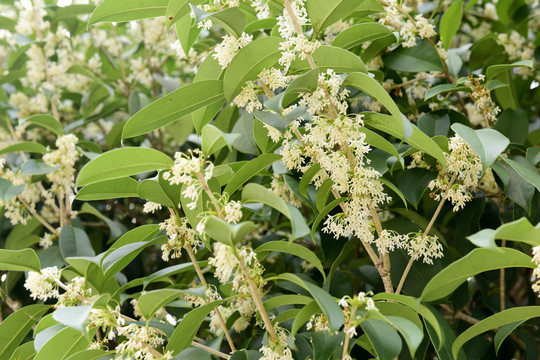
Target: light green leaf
<point>47,121</point>
<point>152,190</point>
<point>495,70</point>
<point>171,270</point>
<point>294,249</point>
<point>422,57</point>
<point>187,329</point>
<point>520,230</point>
<point>359,34</point>
<point>450,22</point>
<point>306,178</point>
<point>109,189</point>
<point>528,172</point>
<point>64,343</point>
<point>90,354</point>
<point>487,143</point>
<point>371,87</point>
<point>14,328</point>
<point>8,191</point>
<point>231,19</point>
<point>121,257</point>
<point>24,352</point>
<point>226,233</point>
<point>324,13</point>
<point>477,261</point>
<point>504,317</point>
<point>248,170</point>
<point>174,106</point>
<point>122,162</point>
<point>25,146</point>
<point>281,300</point>
<point>383,337</point>
<point>254,193</point>
<point>127,10</point>
<point>330,57</point>
<point>150,302</point>
<point>36,167</point>
<point>177,9</point>
<point>444,88</point>
<point>248,63</point>
<point>305,83</point>
<point>504,332</point>
<point>326,302</point>
<point>19,260</point>
<point>214,139</point>
<point>73,316</point>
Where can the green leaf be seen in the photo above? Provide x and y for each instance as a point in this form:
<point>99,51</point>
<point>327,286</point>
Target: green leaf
<point>305,83</point>
<point>504,317</point>
<point>48,122</point>
<point>36,167</point>
<point>25,146</point>
<point>326,302</point>
<point>330,57</point>
<point>246,355</point>
<point>250,169</point>
<point>127,10</point>
<point>411,332</point>
<point>444,88</point>
<point>8,191</point>
<point>116,228</point>
<point>304,315</point>
<point>450,22</point>
<point>322,214</point>
<point>419,58</point>
<point>359,34</point>
<point>371,87</point>
<point>122,256</point>
<point>173,107</point>
<point>281,300</point>
<point>187,32</point>
<point>14,328</point>
<point>150,302</point>
<point>171,270</point>
<point>487,143</point>
<point>122,162</point>
<point>187,329</point>
<point>504,332</point>
<point>226,233</point>
<point>232,19</point>
<point>526,170</point>
<point>74,242</point>
<point>177,9</point>
<point>19,260</point>
<point>24,352</point>
<point>214,139</point>
<point>260,54</point>
<point>293,249</point>
<point>109,189</point>
<point>495,70</point>
<point>414,183</point>
<point>253,193</point>
<point>89,354</point>
<point>383,337</point>
<point>324,13</point>
<point>64,343</point>
<point>415,305</point>
<point>520,230</point>
<point>477,261</point>
<point>152,190</point>
<point>73,316</point>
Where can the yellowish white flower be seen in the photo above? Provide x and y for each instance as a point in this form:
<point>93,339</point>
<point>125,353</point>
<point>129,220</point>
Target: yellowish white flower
<point>43,285</point>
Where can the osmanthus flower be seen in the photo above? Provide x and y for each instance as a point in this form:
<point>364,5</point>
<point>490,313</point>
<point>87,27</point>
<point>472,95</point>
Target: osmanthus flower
<point>353,308</point>
<point>43,285</point>
<point>76,292</point>
<point>140,340</point>
<point>277,350</point>
<point>536,271</point>
<point>186,170</point>
<point>424,246</point>
<point>179,235</point>
<point>465,163</point>
<point>318,322</point>
<point>229,46</point>
<point>482,101</point>
<point>281,189</point>
<point>63,158</point>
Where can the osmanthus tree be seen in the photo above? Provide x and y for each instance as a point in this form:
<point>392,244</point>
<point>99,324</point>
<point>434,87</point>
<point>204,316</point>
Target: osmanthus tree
<point>269,179</point>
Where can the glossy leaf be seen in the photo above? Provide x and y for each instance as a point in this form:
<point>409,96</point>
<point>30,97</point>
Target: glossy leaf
<point>47,121</point>
<point>8,191</point>
<point>495,70</point>
<point>63,344</point>
<point>74,242</point>
<point>16,326</point>
<point>249,170</point>
<point>359,34</point>
<point>519,230</point>
<point>73,316</point>
<point>25,146</point>
<point>171,270</point>
<point>324,13</point>
<point>450,22</point>
<point>122,162</point>
<point>19,260</point>
<point>383,337</point>
<point>174,106</point>
<point>127,10</point>
<point>150,302</point>
<point>109,189</point>
<point>330,57</point>
<point>419,58</point>
<point>504,317</point>
<point>248,63</point>
<point>477,261</point>
<point>187,329</point>
<point>293,249</point>
<point>226,233</point>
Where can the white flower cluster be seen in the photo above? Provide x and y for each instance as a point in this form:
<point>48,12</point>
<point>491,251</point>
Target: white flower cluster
<point>362,301</point>
<point>75,292</point>
<point>233,211</point>
<point>389,240</point>
<point>279,350</point>
<point>328,96</point>
<point>536,271</point>
<point>467,166</point>
<point>318,322</point>
<point>150,207</point>
<point>140,340</point>
<point>482,100</point>
<point>426,247</point>
<point>249,97</point>
<point>294,43</point>
<point>408,30</point>
<point>43,285</point>
<point>186,170</point>
<point>229,47</point>
<point>281,189</point>
<point>64,157</point>
<point>179,235</point>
